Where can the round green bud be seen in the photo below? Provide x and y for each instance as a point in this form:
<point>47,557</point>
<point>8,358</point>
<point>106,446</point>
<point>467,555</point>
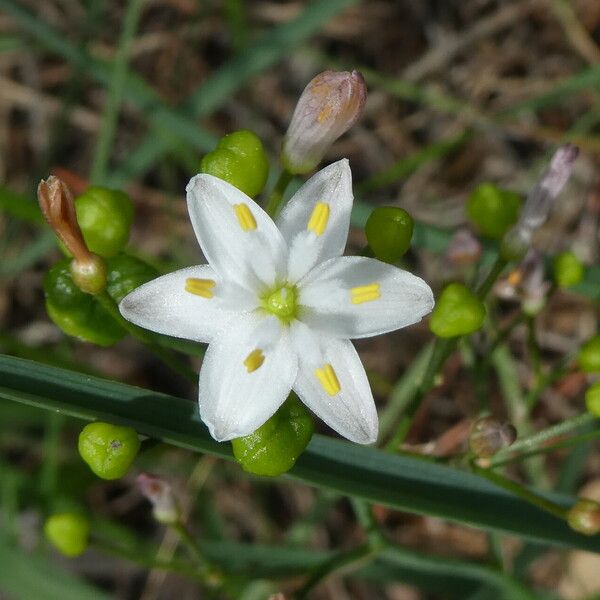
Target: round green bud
<point>592,399</point>
<point>109,450</point>
<point>274,447</point>
<point>105,218</point>
<point>457,312</point>
<point>89,276</point>
<point>588,358</point>
<point>125,273</point>
<point>78,314</point>
<point>68,532</point>
<point>239,159</point>
<point>389,231</point>
<point>568,270</point>
<point>493,210</point>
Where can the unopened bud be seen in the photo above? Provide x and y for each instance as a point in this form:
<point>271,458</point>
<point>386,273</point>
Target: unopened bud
<point>584,516</point>
<point>68,533</point>
<point>568,270</point>
<point>489,436</point>
<point>539,202</point>
<point>329,105</point>
<point>164,504</point>
<point>553,180</point>
<point>58,208</point>
<point>464,248</point>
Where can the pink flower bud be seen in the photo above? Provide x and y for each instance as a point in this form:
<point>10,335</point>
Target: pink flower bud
<point>160,494</point>
<point>329,105</point>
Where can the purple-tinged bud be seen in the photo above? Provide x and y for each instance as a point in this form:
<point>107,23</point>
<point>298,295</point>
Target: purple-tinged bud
<point>164,504</point>
<point>539,202</point>
<point>542,196</point>
<point>464,248</point>
<point>329,105</point>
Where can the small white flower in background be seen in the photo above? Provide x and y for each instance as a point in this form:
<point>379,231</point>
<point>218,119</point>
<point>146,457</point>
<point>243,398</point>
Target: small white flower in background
<point>159,492</point>
<point>277,304</point>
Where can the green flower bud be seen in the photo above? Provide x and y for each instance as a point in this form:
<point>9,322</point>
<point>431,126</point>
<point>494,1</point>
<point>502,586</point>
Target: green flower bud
<point>588,358</point>
<point>592,399</point>
<point>109,450</point>
<point>105,218</point>
<point>78,314</point>
<point>493,210</point>
<point>568,270</point>
<point>239,159</point>
<point>89,275</point>
<point>125,273</point>
<point>389,231</point>
<point>68,532</point>
<point>584,517</point>
<point>457,312</point>
<point>274,447</point>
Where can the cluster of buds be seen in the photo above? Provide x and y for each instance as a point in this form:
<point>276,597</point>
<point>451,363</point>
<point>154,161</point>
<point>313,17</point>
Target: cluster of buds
<point>329,105</point>
<point>58,207</point>
<point>159,492</point>
<point>539,202</point>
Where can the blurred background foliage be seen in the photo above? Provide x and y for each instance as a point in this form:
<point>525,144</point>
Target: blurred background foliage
<point>131,95</point>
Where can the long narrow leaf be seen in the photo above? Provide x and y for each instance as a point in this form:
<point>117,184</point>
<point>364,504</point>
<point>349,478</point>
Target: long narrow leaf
<point>401,482</point>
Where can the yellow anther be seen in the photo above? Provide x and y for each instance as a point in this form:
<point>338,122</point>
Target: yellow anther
<point>365,293</point>
<point>244,216</point>
<point>200,287</point>
<point>328,379</point>
<point>254,360</point>
<point>318,220</point>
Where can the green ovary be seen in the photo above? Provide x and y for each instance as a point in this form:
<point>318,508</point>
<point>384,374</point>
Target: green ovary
<point>282,303</point>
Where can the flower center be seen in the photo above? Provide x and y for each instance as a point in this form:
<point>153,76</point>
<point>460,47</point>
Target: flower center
<point>282,303</point>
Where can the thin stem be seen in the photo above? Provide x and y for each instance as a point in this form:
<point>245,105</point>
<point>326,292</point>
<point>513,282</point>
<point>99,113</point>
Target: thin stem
<point>276,197</point>
<point>115,93</point>
<point>484,289</point>
<point>175,566</point>
<point>442,349</point>
<point>516,488</point>
<point>537,440</point>
<point>544,381</point>
<point>192,546</point>
<point>143,336</point>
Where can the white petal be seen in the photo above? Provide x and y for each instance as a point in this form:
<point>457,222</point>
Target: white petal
<point>163,305</point>
<point>253,256</point>
<point>335,300</point>
<point>332,187</point>
<point>351,412</point>
<point>233,401</point>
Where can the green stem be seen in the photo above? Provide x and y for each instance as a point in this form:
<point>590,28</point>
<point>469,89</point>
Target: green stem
<point>276,197</point>
<point>193,548</point>
<point>143,336</point>
<point>442,349</point>
<point>539,439</point>
<point>488,282</point>
<point>555,374</point>
<point>115,93</point>
<point>512,486</point>
<point>175,566</point>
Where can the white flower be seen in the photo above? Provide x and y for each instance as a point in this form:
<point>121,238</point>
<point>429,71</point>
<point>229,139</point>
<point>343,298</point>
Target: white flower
<point>278,316</point>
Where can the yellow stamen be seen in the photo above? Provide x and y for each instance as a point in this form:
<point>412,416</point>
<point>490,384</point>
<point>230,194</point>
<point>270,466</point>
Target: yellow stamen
<point>245,217</point>
<point>200,287</point>
<point>328,379</point>
<point>318,220</point>
<point>365,293</point>
<point>254,360</point>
